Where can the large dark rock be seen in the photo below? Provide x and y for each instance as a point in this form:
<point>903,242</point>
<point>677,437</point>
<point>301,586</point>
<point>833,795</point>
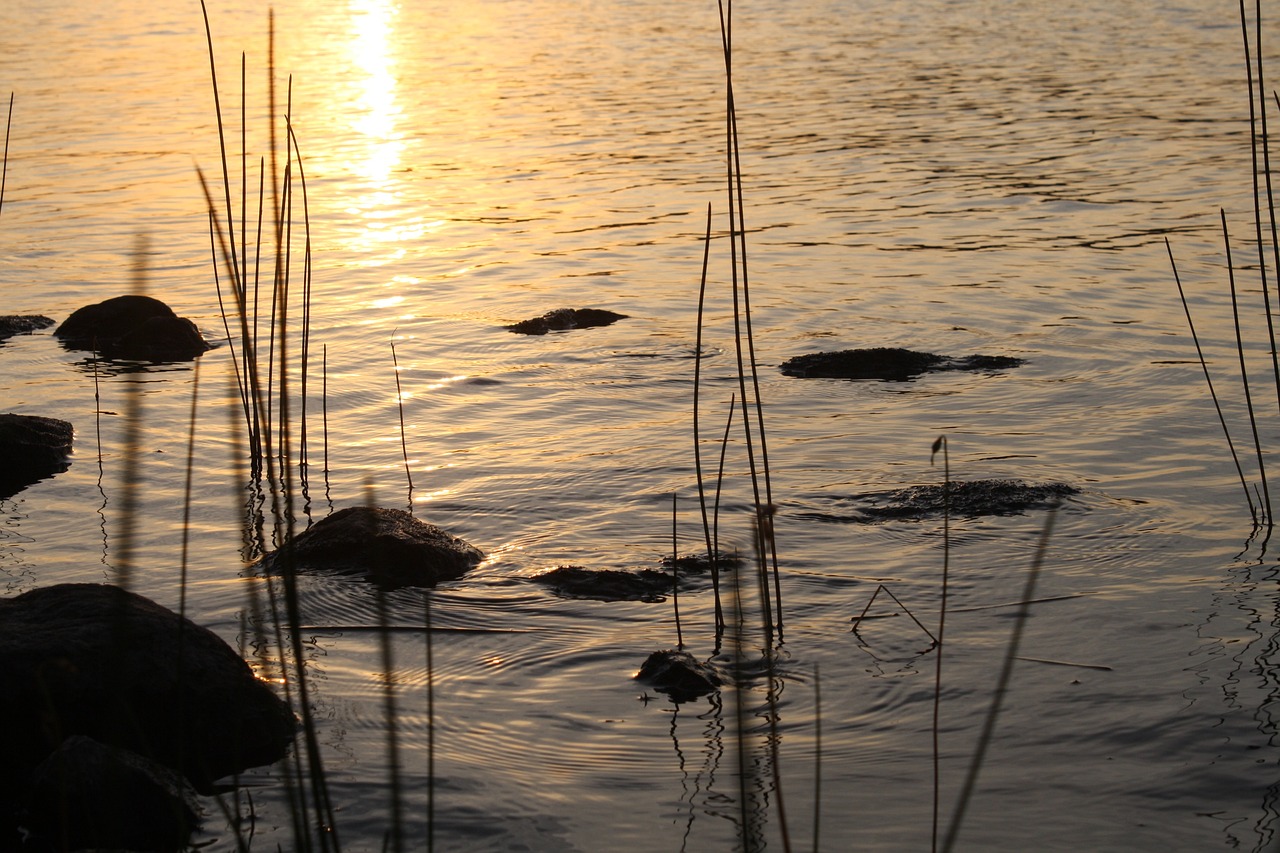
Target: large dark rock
<point>31,449</point>
<point>606,584</point>
<point>962,498</point>
<point>133,327</point>
<point>95,660</point>
<point>891,363</point>
<point>90,796</point>
<point>679,675</point>
<point>22,324</point>
<point>562,319</point>
<point>389,546</point>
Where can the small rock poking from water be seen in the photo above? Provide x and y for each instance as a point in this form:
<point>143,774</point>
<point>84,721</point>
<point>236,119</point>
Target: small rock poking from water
<point>389,546</point>
<point>89,796</point>
<point>966,498</point>
<point>887,363</point>
<point>606,584</point>
<point>679,675</point>
<point>133,327</point>
<point>562,319</point>
<point>22,324</point>
<point>32,448</point>
<point>702,563</point>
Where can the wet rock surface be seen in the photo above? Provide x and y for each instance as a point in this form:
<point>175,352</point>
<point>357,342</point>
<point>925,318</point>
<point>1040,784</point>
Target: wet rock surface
<point>22,324</point>
<point>966,498</point>
<point>32,448</point>
<point>701,563</point>
<point>88,796</point>
<point>679,675</point>
<point>887,363</point>
<point>132,327</point>
<point>562,319</point>
<point>95,660</point>
<point>606,584</point>
<point>388,546</point>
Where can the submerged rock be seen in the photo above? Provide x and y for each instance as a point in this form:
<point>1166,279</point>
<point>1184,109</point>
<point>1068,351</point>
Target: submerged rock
<point>88,796</point>
<point>606,584</point>
<point>701,563</point>
<point>32,448</point>
<point>389,546</point>
<point>889,363</point>
<point>96,660</point>
<point>565,318</point>
<point>133,327</point>
<point>966,498</point>
<point>679,675</point>
<point>22,324</point>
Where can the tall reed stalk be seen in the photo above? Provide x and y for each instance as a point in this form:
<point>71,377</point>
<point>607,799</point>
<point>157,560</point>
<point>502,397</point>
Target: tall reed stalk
<point>744,343</point>
<point>970,782</point>
<point>4,167</point>
<point>941,445</point>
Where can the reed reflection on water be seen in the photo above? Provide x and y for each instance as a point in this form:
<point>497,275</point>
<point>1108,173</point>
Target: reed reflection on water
<point>932,177</point>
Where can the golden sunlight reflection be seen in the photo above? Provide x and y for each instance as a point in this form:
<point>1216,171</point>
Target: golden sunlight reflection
<point>427,497</point>
<point>376,120</point>
<point>371,53</point>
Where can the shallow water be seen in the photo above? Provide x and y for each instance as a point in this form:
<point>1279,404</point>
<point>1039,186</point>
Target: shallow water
<point>980,178</point>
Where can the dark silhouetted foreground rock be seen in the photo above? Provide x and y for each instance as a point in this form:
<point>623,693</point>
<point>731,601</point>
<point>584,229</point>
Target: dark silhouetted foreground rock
<point>679,675</point>
<point>566,318</point>
<point>31,449</point>
<point>889,363</point>
<point>22,324</point>
<point>133,327</point>
<point>606,584</point>
<point>90,796</point>
<point>96,660</point>
<point>968,498</point>
<point>389,546</point>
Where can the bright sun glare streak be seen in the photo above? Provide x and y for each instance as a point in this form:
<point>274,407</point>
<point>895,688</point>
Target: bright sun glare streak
<point>377,123</point>
<point>377,120</point>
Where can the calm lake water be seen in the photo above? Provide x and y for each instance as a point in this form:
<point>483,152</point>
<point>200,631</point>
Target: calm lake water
<point>993,178</point>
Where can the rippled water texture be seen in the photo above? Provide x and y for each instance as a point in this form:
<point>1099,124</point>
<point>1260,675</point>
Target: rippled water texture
<point>977,178</point>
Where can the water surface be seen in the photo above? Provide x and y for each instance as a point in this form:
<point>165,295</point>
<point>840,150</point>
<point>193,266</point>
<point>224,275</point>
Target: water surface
<point>977,178</point>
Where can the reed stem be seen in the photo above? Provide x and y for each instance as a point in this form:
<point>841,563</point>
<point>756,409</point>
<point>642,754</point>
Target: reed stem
<point>941,444</point>
<point>1002,684</point>
<point>712,554</point>
<point>675,572</point>
<point>1204,366</point>
<point>4,167</point>
<point>1244,374</point>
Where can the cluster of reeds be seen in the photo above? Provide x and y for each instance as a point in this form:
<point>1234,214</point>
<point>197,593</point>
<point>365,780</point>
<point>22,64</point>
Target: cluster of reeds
<point>731,615</point>
<point>261,245</point>
<point>1250,465</point>
<point>262,254</point>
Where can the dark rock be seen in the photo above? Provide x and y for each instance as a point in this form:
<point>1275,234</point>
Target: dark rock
<point>679,675</point>
<point>90,796</point>
<point>389,546</point>
<point>890,363</point>
<point>22,324</point>
<point>95,660</point>
<point>606,584</point>
<point>566,318</point>
<point>31,449</point>
<point>967,498</point>
<point>132,327</point>
<point>702,563</point>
